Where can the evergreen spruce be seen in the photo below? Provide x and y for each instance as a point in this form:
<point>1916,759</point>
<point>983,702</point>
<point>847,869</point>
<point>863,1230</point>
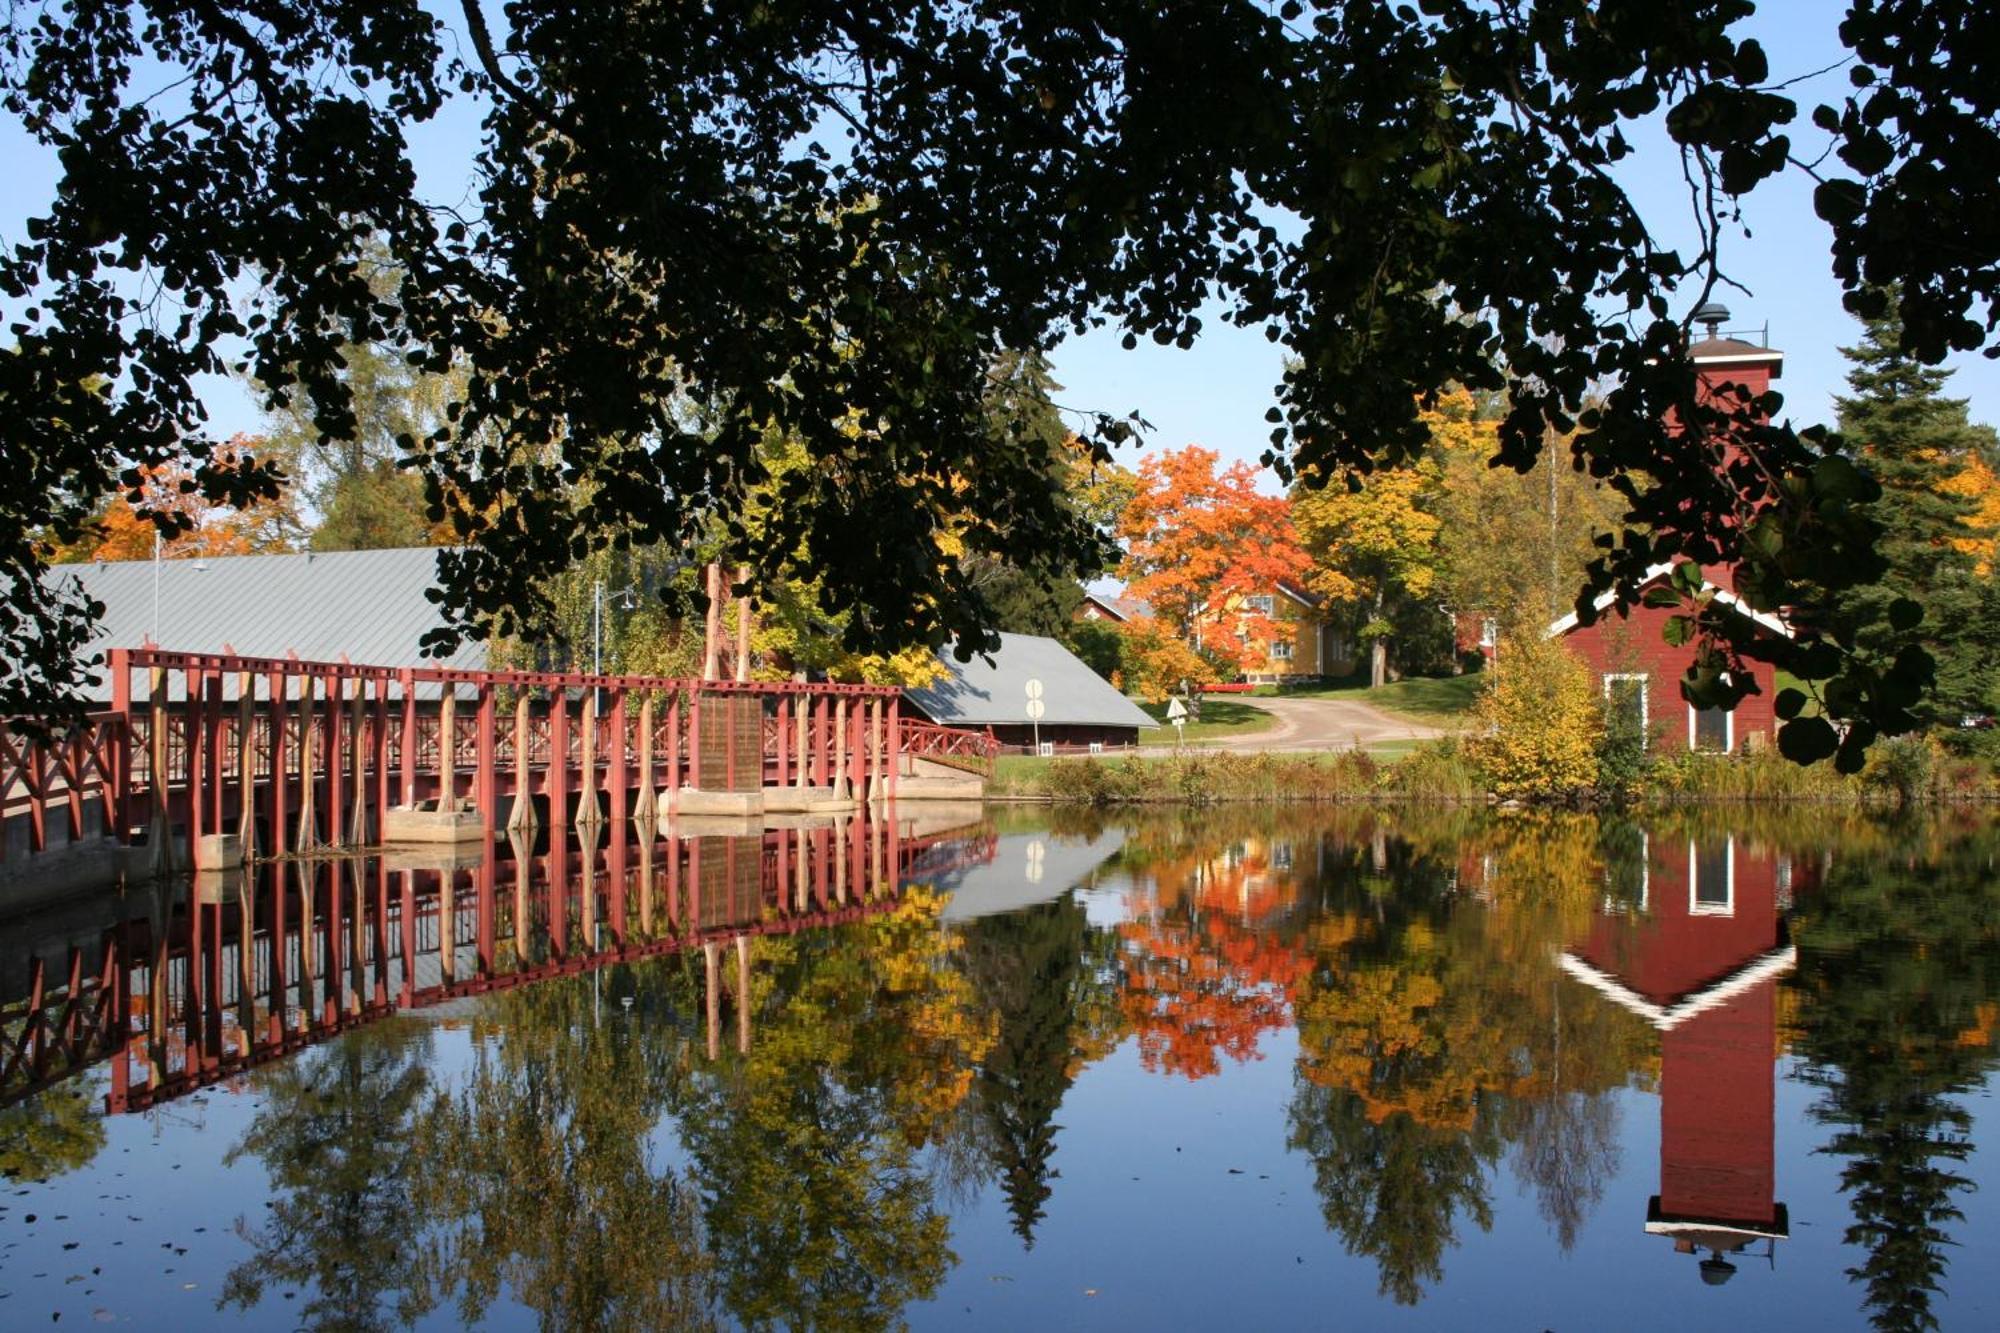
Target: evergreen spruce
<point>1914,439</point>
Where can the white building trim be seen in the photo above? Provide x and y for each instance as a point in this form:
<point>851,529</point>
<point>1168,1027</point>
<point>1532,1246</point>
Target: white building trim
<point>1564,624</point>
<point>1670,1016</point>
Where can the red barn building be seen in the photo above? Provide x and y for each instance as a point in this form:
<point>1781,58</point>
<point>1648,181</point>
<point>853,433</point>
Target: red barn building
<point>1639,671</point>
<point>1695,947</point>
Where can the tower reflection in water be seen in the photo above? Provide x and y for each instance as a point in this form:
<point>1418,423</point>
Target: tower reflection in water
<point>200,980</point>
<point>1691,936</point>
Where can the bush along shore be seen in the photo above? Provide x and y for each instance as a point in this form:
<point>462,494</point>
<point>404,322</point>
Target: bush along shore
<point>1906,770</point>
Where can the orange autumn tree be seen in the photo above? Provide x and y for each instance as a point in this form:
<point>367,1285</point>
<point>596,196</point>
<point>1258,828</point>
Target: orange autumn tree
<point>1198,540</point>
<point>123,530</point>
<point>1205,975</point>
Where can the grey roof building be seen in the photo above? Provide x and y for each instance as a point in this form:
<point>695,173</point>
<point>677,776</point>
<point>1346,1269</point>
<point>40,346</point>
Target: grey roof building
<point>983,693</point>
<point>370,605</point>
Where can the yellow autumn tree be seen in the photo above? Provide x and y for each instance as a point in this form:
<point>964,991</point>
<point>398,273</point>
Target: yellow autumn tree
<point>1977,482</point>
<point>1374,545</point>
<point>1539,722</point>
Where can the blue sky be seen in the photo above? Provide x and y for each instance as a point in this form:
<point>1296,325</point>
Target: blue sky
<point>1216,393</point>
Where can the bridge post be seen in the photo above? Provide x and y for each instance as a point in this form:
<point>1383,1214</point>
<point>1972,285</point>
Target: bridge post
<point>357,735</point>
<point>197,764</point>
<point>159,831</point>
<point>646,810</point>
<point>674,740</point>
<point>586,763</point>
<point>895,742</point>
<point>407,678</point>
<point>557,782</point>
<point>617,772</point>
<point>523,814</point>
<point>839,783</point>
<point>336,759</point>
<point>276,803</point>
<point>448,748</point>
<point>378,751</point>
<point>246,764</point>
<point>307,834</point>
<point>781,719</point>
<point>118,748</point>
<point>803,739</point>
<point>486,785</point>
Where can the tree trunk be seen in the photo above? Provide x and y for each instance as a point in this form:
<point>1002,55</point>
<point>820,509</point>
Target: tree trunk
<point>1378,651</point>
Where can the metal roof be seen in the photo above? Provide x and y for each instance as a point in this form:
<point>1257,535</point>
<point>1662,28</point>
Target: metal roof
<point>983,693</point>
<point>369,605</point>
<point>1026,869</point>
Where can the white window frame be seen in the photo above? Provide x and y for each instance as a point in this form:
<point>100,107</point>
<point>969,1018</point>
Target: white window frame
<point>1645,679</point>
<point>1728,730</point>
<point>1281,650</point>
<point>1727,907</point>
<point>1264,603</point>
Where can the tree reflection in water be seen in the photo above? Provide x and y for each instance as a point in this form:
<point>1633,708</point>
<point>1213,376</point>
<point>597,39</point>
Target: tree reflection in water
<point>1900,957</point>
<point>601,1169</point>
<point>335,1135</point>
<point>819,1206</point>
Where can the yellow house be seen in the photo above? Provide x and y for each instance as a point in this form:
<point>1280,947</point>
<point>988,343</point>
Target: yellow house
<point>1309,646</point>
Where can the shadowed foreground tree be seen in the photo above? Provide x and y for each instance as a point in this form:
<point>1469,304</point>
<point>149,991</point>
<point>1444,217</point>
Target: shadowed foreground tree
<point>827,220</point>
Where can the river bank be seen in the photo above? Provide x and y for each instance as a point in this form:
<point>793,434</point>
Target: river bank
<point>1448,771</point>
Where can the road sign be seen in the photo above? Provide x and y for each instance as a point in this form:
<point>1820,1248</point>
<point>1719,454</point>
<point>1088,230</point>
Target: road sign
<point>1034,689</point>
<point>1176,711</point>
<point>1036,708</point>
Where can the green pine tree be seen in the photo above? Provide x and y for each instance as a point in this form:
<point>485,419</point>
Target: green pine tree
<point>1914,439</point>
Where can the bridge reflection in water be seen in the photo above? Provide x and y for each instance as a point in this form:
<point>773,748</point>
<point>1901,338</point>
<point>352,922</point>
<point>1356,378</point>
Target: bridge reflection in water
<point>184,983</point>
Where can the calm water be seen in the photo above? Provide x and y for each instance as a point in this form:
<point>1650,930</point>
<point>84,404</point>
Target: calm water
<point>1242,1069</point>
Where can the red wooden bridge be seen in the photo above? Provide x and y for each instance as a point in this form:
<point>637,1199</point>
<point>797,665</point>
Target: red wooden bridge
<point>204,978</point>
<point>211,759</point>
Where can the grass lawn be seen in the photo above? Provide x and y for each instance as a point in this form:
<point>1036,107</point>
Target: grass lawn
<point>1219,717</point>
<point>1438,701</point>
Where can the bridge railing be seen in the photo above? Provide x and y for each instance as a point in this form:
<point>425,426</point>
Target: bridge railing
<point>291,756</point>
<point>955,747</point>
<point>62,787</point>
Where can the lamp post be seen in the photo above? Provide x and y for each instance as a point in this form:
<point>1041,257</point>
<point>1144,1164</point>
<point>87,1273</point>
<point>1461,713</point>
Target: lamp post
<point>626,598</point>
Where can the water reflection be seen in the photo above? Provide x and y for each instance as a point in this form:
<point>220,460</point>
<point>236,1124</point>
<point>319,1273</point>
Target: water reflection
<point>787,1078</point>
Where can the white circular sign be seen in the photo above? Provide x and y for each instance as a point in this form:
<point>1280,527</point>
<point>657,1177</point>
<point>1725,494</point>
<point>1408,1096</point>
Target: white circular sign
<point>1034,689</point>
<point>1035,709</point>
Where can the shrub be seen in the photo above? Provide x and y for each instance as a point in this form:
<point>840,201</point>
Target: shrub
<point>1540,723</point>
<point>1901,768</point>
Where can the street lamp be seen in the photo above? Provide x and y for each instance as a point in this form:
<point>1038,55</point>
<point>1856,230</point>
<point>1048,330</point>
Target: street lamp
<point>625,599</point>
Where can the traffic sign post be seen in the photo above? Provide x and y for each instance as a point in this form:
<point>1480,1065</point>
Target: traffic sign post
<point>1177,714</point>
<point>1035,710</point>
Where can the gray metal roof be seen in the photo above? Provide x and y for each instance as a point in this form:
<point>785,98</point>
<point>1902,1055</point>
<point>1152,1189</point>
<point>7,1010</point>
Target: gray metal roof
<point>979,693</point>
<point>1027,868</point>
<point>369,605</point>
